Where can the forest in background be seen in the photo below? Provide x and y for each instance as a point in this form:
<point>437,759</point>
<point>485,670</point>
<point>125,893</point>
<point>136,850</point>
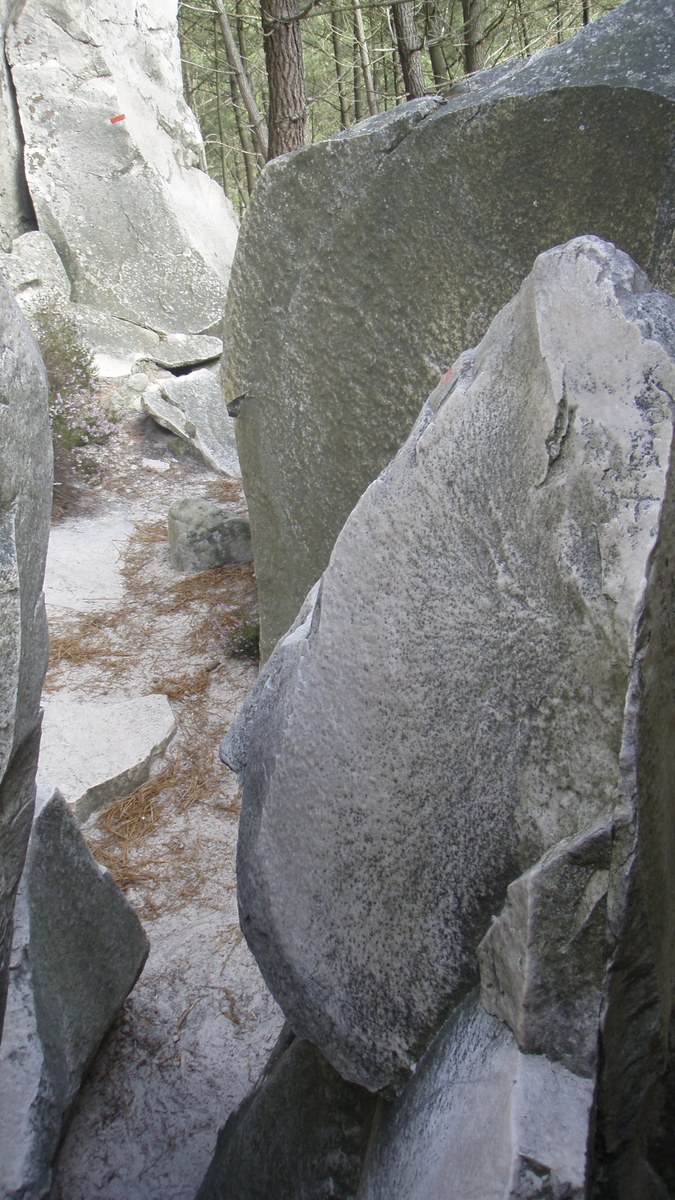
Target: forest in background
<point>264,77</point>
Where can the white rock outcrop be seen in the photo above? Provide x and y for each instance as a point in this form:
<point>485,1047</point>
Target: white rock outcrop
<point>144,235</point>
<point>484,669</point>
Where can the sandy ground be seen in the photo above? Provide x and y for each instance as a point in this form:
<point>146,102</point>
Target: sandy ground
<point>196,1031</point>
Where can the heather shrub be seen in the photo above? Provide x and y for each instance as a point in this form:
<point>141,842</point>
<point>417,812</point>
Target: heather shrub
<point>80,424</point>
<point>241,636</point>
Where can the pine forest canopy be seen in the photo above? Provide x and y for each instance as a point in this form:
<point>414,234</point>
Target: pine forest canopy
<point>266,77</point>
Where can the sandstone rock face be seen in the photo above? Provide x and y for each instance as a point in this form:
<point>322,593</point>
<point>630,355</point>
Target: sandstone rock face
<point>482,1120</point>
<point>25,509</point>
<point>144,234</point>
<point>204,535</point>
<point>78,951</point>
<point>192,406</point>
<point>302,1131</point>
<point>402,239</point>
<point>450,702</point>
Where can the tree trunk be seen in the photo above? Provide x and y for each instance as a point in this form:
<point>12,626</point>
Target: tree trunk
<point>585,11</point>
<point>524,30</point>
<point>223,165</point>
<point>237,68</point>
<point>336,28</point>
<point>434,40</point>
<point>558,23</point>
<point>360,35</point>
<point>474,33</point>
<point>244,132</point>
<point>288,123</point>
<point>408,43</point>
<point>359,110</point>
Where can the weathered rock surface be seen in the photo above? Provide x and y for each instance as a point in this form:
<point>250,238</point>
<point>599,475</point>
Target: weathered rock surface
<point>182,351</point>
<point>402,239</point>
<point>204,535</point>
<point>83,580</point>
<point>78,950</point>
<point>192,406</point>
<point>143,233</point>
<point>97,750</point>
<point>450,702</point>
<point>25,509</point>
<point>34,271</point>
<point>16,209</point>
<point>302,1131</point>
<point>543,960</point>
<point>482,1120</point>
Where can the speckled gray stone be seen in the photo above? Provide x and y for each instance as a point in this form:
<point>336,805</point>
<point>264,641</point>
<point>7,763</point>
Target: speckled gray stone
<point>78,950</point>
<point>450,703</point>
<point>301,1132</point>
<point>25,509</point>
<point>482,1121</point>
<point>204,535</point>
<point>401,240</point>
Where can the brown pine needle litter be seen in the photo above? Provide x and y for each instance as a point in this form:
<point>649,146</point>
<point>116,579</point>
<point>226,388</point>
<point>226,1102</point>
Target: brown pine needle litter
<point>109,650</point>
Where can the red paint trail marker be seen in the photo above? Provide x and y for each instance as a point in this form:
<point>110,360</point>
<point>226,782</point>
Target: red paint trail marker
<point>114,120</point>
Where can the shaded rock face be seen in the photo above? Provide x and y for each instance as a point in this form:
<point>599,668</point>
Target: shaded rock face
<point>475,1089</point>
<point>35,272</point>
<point>16,209</point>
<point>204,535</point>
<point>154,244</point>
<point>401,240</point>
<point>25,508</point>
<point>78,951</point>
<point>301,1132</point>
<point>482,671</point>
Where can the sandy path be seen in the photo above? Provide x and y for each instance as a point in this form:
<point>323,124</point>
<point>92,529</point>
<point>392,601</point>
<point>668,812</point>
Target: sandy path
<point>196,1031</point>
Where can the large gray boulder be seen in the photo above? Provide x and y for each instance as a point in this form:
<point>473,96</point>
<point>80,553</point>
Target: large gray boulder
<point>142,231</point>
<point>78,951</point>
<point>25,508</point>
<point>301,1132</point>
<point>401,240</point>
<point>484,669</point>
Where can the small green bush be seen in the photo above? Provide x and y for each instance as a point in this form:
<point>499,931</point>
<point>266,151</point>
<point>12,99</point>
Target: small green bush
<point>79,423</point>
<point>241,636</point>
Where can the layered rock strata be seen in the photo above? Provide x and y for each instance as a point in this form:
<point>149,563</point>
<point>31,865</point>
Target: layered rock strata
<point>401,239</point>
<point>25,508</point>
<point>477,692</point>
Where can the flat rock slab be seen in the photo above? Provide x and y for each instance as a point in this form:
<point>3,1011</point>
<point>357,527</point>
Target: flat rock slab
<point>83,563</point>
<point>193,407</point>
<point>95,751</point>
<point>403,237</point>
<point>450,702</point>
<point>77,952</point>
<point>180,350</point>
